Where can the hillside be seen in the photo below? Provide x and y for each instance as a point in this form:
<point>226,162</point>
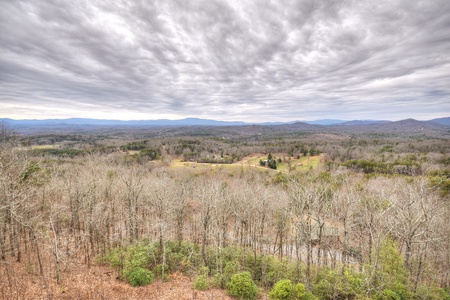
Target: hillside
<point>443,121</point>
<point>168,212</point>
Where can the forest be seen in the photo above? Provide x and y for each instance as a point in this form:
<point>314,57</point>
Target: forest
<point>344,214</point>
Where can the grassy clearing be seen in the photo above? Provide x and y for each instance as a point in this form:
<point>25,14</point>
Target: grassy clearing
<point>307,163</point>
<point>132,152</point>
<point>177,163</point>
<point>45,147</point>
<point>301,164</point>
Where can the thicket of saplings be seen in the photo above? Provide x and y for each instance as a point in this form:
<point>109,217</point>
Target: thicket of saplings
<point>330,233</point>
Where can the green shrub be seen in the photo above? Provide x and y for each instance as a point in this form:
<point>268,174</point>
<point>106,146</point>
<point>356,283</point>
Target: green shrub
<point>391,276</point>
<point>139,276</point>
<point>178,261</point>
<point>230,269</point>
<point>218,281</point>
<point>324,289</point>
<point>283,290</point>
<point>242,286</point>
<point>331,284</point>
<point>300,293</point>
<point>131,262</point>
<point>431,293</point>
<point>201,283</point>
<point>276,270</point>
<point>161,270</point>
<point>387,295</point>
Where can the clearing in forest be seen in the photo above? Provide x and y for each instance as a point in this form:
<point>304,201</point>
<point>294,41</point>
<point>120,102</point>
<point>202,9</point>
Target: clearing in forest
<point>303,163</point>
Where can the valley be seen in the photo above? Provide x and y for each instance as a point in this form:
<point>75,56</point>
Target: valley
<point>191,211</point>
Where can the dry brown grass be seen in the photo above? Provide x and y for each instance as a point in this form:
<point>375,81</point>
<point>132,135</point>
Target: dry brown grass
<point>97,282</point>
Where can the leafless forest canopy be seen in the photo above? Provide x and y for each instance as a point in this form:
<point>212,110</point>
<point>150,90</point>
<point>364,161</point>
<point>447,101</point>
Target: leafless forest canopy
<point>368,219</point>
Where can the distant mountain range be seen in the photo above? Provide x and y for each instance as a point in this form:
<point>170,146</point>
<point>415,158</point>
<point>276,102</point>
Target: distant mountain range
<point>443,121</point>
<point>194,122</point>
<point>99,122</point>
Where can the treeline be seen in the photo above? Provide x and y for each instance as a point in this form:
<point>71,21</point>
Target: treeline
<point>67,152</point>
<point>408,166</point>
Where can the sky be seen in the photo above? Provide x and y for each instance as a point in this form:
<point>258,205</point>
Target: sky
<point>232,60</point>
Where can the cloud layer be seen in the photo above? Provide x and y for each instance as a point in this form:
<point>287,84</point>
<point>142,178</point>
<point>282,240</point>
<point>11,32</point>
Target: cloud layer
<point>229,60</point>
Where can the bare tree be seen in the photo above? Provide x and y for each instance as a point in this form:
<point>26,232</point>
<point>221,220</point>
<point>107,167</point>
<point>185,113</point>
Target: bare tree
<point>181,204</point>
<point>209,195</point>
<point>134,187</point>
<point>415,208</point>
<point>345,201</point>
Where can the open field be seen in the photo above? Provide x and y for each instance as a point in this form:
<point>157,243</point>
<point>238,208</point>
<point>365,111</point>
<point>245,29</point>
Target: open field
<point>303,163</point>
<point>45,146</point>
<point>307,163</point>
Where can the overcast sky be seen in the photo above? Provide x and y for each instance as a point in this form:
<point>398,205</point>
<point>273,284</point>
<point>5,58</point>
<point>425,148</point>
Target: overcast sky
<point>226,60</point>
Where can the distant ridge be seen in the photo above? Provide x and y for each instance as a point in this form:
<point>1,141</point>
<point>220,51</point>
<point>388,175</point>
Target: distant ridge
<point>81,122</point>
<point>442,121</point>
<point>99,122</point>
<point>325,122</point>
<point>409,126</point>
<point>364,122</point>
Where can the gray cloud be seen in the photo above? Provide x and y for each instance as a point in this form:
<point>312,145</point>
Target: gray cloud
<point>230,60</point>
